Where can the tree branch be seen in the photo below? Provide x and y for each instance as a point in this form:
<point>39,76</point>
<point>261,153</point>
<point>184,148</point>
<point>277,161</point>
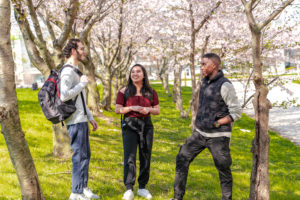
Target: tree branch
<point>207,16</point>
<point>48,24</point>
<point>275,13</point>
<point>243,106</point>
<point>36,23</point>
<point>101,14</point>
<point>42,45</point>
<point>244,2</point>
<point>69,20</point>
<point>29,40</point>
<point>248,10</point>
<point>38,4</point>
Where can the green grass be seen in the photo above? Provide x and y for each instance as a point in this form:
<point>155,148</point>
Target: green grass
<point>106,167</point>
<point>296,81</point>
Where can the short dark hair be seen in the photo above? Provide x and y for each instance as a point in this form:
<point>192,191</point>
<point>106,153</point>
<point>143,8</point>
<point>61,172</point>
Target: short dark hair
<point>214,57</point>
<point>72,44</point>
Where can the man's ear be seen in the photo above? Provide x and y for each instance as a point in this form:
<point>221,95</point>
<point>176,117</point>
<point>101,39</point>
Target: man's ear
<point>73,51</point>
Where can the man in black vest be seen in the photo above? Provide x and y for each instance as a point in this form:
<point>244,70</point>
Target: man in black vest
<point>218,108</point>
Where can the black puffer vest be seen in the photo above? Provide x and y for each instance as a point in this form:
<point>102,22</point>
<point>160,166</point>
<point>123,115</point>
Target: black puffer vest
<point>211,105</point>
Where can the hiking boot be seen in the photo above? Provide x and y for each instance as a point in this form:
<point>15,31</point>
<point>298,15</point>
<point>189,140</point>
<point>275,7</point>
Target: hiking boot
<point>77,196</point>
<point>128,195</point>
<point>88,193</point>
<point>144,193</point>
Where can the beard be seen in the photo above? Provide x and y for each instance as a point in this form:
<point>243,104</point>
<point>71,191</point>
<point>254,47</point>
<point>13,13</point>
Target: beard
<point>80,57</point>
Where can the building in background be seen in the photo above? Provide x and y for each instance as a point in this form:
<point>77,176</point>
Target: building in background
<point>25,73</point>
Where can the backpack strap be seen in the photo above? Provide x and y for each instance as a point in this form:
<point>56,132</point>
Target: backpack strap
<point>74,68</point>
<point>83,103</point>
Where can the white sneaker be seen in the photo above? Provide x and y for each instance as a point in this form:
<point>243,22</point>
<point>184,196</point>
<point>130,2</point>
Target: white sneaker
<point>77,196</point>
<point>128,195</point>
<point>144,193</point>
<point>88,193</point>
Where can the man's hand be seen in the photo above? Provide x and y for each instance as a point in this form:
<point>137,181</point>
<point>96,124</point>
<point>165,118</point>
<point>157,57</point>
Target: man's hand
<point>84,79</point>
<point>94,124</point>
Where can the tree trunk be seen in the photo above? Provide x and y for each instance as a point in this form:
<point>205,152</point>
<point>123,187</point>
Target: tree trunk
<point>165,82</point>
<point>260,186</point>
<point>106,96</point>
<point>193,77</point>
<point>61,142</point>
<point>93,97</point>
<point>177,98</point>
<point>9,115</point>
<point>115,89</point>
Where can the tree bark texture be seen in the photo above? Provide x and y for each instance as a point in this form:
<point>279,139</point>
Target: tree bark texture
<point>165,81</point>
<point>106,96</point>
<point>93,97</point>
<point>9,115</point>
<point>259,183</point>
<point>115,88</point>
<point>260,186</point>
<point>61,141</point>
<point>177,98</point>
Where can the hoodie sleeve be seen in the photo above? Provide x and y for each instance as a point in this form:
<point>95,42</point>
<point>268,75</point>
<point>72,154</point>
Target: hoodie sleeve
<point>68,92</point>
<point>229,96</point>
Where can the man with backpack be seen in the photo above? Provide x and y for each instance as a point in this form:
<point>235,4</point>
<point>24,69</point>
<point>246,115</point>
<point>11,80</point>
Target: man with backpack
<point>72,86</point>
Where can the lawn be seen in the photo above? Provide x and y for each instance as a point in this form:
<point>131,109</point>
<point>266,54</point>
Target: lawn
<point>106,167</point>
<point>296,81</point>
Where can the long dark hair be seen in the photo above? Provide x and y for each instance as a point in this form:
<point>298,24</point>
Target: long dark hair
<point>146,89</point>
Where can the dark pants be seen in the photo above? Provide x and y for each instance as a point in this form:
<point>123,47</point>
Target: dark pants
<point>131,141</point>
<point>219,148</point>
<point>79,134</point>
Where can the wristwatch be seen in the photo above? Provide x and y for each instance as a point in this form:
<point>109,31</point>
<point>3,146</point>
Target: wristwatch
<point>217,125</point>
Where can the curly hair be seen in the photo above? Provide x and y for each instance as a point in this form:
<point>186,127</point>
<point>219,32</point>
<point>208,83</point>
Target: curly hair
<point>72,44</point>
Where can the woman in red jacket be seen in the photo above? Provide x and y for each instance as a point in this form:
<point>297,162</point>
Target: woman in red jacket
<point>136,102</point>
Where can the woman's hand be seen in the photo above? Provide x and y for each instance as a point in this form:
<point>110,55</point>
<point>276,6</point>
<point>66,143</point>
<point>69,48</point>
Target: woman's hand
<point>145,110</point>
<point>136,108</point>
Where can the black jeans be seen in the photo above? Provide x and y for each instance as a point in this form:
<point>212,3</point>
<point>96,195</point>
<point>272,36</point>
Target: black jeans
<point>131,140</point>
<point>219,148</point>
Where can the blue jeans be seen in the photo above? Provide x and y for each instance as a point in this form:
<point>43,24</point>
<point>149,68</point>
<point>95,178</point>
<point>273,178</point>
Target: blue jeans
<point>79,134</point>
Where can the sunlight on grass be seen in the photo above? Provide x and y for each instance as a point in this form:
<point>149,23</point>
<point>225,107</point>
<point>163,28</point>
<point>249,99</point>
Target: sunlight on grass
<point>296,81</point>
<point>106,167</point>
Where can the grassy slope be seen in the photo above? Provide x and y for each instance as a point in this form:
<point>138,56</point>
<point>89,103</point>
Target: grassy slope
<point>106,167</point>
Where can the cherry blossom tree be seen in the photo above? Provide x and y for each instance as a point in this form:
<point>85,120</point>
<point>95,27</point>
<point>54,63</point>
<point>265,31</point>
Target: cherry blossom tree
<point>259,188</point>
<point>46,26</point>
<point>9,114</point>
